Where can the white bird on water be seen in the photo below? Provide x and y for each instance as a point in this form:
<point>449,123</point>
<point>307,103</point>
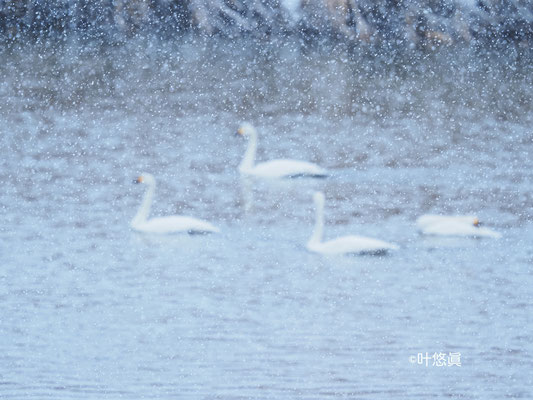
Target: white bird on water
<point>162,225</point>
<point>284,168</point>
<point>453,225</point>
<point>343,245</point>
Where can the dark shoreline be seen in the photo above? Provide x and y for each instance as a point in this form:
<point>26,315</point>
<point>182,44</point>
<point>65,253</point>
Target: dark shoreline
<point>387,24</point>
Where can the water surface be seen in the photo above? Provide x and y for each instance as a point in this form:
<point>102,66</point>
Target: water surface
<point>91,309</point>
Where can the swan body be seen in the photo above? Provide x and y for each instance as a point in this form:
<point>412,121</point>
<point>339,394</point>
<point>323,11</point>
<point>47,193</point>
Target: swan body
<point>453,225</point>
<point>283,168</point>
<point>351,244</point>
<point>175,224</point>
<point>164,225</point>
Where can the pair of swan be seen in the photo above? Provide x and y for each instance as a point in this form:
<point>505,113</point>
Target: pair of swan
<point>443,225</point>
<point>179,223</point>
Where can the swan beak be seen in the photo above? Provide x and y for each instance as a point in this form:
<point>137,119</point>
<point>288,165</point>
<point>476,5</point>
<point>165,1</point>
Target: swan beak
<point>138,180</point>
<point>476,222</point>
<point>240,132</point>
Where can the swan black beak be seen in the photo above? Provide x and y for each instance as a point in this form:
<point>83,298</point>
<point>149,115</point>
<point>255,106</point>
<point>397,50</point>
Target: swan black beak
<point>138,180</point>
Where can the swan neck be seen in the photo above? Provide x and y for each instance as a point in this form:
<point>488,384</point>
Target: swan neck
<point>144,209</point>
<point>249,157</point>
<point>316,237</point>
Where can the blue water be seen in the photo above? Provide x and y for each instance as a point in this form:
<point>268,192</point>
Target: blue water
<point>90,309</point>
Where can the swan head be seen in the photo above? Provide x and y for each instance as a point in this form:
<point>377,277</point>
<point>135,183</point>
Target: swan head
<point>469,220</point>
<point>146,178</point>
<point>246,129</point>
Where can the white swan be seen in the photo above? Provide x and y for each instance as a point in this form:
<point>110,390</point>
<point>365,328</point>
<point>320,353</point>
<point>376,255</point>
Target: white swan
<point>453,225</point>
<point>345,244</point>
<point>274,168</point>
<point>170,224</point>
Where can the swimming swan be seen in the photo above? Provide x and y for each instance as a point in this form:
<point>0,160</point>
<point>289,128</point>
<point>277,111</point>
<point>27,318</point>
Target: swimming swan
<point>274,168</point>
<point>453,225</point>
<point>345,244</point>
<point>170,224</point>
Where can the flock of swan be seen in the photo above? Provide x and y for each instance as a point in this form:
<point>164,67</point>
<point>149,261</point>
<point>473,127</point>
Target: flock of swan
<point>444,225</point>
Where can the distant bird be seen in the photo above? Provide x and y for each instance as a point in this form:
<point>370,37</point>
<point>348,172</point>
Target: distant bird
<point>345,244</point>
<point>453,225</point>
<point>284,168</point>
<point>163,225</point>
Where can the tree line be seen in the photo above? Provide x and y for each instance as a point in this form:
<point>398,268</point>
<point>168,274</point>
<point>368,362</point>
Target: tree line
<point>396,22</point>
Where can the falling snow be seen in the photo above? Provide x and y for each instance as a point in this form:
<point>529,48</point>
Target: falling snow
<point>408,108</point>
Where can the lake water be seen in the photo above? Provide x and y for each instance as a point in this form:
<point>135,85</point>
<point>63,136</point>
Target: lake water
<point>91,309</point>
